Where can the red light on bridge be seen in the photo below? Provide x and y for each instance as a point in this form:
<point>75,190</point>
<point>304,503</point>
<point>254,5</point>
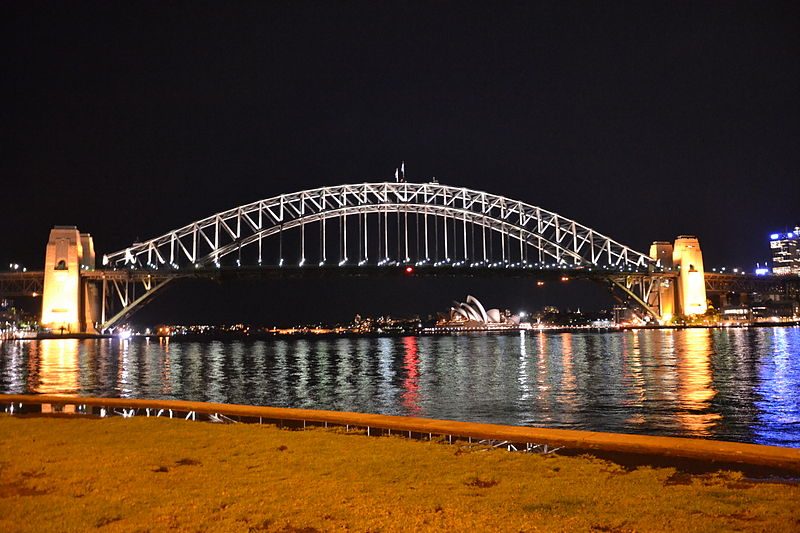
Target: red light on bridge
<point>564,278</point>
<point>409,270</point>
<point>539,283</point>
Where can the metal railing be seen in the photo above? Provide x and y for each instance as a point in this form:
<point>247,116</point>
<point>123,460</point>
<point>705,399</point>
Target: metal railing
<point>512,438</point>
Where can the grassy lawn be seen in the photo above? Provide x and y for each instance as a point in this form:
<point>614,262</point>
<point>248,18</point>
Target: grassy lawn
<point>146,474</point>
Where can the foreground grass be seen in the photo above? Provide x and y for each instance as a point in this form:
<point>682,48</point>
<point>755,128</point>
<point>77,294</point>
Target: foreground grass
<point>143,474</point>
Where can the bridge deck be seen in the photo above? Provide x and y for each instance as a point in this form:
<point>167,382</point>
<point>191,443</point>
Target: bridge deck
<point>21,284</point>
<point>30,283</point>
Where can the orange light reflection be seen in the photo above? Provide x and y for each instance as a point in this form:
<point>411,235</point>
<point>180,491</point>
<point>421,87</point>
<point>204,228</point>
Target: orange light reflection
<point>58,367</point>
<point>694,374</point>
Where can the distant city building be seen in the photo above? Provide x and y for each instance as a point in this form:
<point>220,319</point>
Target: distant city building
<point>774,311</point>
<point>736,313</point>
<point>785,252</point>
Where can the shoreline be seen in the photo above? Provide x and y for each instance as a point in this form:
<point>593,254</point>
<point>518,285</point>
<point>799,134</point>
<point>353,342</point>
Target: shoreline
<point>692,455</point>
<point>419,333</point>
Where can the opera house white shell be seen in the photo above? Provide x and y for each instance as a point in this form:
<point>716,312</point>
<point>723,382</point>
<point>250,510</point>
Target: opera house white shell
<point>472,312</point>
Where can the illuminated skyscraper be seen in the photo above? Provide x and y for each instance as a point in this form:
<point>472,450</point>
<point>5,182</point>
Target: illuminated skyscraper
<point>785,252</point>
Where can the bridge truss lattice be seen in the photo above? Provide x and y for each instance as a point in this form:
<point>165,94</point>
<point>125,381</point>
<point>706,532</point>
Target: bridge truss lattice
<point>385,223</point>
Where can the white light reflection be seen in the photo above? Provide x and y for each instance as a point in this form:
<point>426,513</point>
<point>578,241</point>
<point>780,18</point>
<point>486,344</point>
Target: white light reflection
<point>523,374</point>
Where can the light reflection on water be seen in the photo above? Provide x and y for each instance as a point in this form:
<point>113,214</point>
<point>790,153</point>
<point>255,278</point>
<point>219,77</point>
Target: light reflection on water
<point>740,384</point>
<point>58,367</point>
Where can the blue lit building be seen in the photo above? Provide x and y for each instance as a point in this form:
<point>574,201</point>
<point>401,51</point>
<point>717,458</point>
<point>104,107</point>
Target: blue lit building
<point>785,252</point>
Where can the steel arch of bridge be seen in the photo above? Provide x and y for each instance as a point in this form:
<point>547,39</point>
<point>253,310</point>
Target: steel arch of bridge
<point>556,239</point>
<point>133,275</point>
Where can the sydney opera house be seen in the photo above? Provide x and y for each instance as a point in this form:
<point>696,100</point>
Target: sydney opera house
<point>473,316</point>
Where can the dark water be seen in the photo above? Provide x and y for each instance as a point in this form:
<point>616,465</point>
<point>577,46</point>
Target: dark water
<point>739,385</point>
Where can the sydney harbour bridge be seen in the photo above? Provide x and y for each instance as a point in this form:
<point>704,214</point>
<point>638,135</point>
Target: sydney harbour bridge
<point>368,229</point>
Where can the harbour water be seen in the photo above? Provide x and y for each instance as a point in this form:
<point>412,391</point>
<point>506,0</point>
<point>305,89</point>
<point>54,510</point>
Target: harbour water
<point>727,384</point>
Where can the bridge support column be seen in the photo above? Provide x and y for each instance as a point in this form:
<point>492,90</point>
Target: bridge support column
<point>691,285</point>
<point>69,304</point>
<point>664,297</point>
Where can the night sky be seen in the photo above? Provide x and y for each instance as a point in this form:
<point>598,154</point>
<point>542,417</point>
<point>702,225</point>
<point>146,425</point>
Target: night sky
<point>641,120</point>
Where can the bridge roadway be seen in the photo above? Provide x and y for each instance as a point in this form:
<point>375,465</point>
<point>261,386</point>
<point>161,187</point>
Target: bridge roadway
<point>30,283</point>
